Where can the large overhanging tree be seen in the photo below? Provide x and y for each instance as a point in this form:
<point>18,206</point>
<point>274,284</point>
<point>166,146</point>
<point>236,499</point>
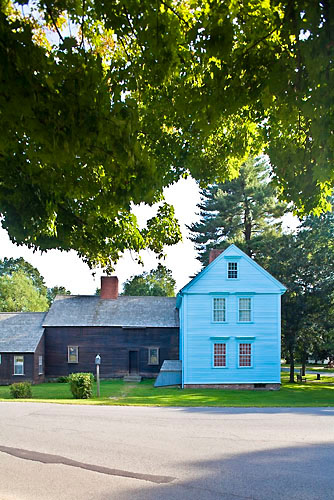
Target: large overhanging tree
<point>124,98</point>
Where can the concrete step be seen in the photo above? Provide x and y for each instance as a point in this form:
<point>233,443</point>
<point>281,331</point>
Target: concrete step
<point>132,378</point>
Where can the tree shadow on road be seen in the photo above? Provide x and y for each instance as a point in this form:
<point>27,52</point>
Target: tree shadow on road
<point>299,473</point>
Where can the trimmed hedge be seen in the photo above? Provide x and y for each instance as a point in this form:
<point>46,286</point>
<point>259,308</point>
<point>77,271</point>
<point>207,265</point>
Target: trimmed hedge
<point>20,390</point>
<point>81,385</point>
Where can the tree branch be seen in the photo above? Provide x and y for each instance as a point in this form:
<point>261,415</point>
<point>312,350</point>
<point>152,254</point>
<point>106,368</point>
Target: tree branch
<point>175,13</point>
<point>54,23</point>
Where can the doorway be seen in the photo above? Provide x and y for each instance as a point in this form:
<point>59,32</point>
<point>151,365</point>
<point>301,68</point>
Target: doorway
<point>133,362</point>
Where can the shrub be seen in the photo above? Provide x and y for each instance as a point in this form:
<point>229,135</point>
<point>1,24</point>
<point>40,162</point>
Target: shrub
<point>81,385</point>
<point>20,390</point>
<point>64,379</point>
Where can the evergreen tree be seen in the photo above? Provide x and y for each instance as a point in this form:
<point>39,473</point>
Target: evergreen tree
<point>244,211</point>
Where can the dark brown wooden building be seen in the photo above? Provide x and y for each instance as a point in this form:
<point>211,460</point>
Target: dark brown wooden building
<point>21,347</point>
<point>133,335</point>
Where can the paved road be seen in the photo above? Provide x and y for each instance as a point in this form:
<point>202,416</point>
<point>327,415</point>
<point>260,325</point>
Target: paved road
<point>63,452</point>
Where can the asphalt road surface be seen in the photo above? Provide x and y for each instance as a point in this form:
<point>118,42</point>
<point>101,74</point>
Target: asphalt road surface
<point>60,452</point>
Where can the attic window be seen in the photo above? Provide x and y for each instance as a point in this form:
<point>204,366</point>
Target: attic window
<point>232,270</point>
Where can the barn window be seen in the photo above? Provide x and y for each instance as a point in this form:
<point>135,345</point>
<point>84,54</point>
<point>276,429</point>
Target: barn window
<point>219,310</point>
<point>245,355</point>
<point>73,354</point>
<point>18,365</point>
<point>245,309</point>
<point>40,365</point>
<point>232,270</point>
<point>219,355</point>
<point>153,356</point>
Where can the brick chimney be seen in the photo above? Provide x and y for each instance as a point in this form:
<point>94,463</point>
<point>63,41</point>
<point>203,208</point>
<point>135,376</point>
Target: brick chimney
<point>214,252</point>
<point>109,287</point>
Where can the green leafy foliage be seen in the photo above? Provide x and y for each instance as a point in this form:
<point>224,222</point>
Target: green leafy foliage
<point>304,262</point>
<point>54,291</point>
<point>81,385</point>
<point>244,211</point>
<point>158,282</point>
<point>20,390</point>
<point>11,265</point>
<point>18,294</point>
<point>131,96</point>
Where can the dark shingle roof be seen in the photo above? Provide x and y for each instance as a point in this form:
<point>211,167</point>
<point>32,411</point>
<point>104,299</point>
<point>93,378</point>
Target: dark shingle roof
<point>20,332</point>
<point>126,311</point>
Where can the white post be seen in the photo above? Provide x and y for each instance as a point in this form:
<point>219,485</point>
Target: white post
<point>98,380</point>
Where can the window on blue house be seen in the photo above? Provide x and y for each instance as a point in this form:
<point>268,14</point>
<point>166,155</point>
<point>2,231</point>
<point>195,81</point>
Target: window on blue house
<point>245,309</point>
<point>219,355</point>
<point>245,355</point>
<point>232,270</point>
<point>219,309</point>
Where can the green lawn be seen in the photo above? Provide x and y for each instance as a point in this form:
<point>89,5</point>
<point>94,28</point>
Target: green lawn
<point>117,392</point>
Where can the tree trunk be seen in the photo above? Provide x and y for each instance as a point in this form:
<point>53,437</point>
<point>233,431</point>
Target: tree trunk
<point>292,365</point>
<point>304,359</point>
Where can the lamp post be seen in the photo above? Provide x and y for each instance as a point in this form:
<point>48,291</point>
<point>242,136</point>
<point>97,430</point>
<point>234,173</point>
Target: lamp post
<point>97,363</point>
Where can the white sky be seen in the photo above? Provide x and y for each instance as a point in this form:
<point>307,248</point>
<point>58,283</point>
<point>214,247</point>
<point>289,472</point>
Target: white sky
<point>66,269</point>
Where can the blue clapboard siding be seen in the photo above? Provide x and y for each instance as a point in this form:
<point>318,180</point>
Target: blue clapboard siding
<point>198,331</point>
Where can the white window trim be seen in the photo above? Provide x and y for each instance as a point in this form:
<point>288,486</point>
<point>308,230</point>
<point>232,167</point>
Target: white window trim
<point>68,354</point>
<point>213,310</point>
<point>227,269</point>
<point>251,310</point>
<point>213,354</point>
<point>15,364</point>
<point>40,365</point>
<point>149,356</point>
<point>245,341</point>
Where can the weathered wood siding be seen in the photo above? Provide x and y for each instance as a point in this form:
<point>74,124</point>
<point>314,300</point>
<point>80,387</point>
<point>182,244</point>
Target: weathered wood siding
<point>113,344</point>
<point>199,332</point>
<point>7,368</point>
<point>40,351</point>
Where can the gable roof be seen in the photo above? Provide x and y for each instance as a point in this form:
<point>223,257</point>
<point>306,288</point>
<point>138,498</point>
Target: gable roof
<point>238,253</point>
<point>21,331</point>
<point>125,311</point>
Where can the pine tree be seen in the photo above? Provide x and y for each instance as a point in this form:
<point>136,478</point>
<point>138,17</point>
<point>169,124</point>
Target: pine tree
<point>244,211</point>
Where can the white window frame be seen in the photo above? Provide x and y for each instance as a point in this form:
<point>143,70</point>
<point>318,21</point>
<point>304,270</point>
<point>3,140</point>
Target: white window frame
<point>150,357</point>
<point>234,270</point>
<point>218,309</point>
<point>241,342</point>
<point>17,364</point>
<point>213,354</point>
<point>40,365</point>
<point>243,310</point>
<point>77,354</point>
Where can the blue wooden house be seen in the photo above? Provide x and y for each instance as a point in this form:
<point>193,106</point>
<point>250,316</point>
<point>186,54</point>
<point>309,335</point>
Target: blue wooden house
<point>230,325</point>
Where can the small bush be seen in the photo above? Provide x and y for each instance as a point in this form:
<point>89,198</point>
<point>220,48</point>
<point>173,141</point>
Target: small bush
<point>64,379</point>
<point>20,390</point>
<point>81,385</point>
